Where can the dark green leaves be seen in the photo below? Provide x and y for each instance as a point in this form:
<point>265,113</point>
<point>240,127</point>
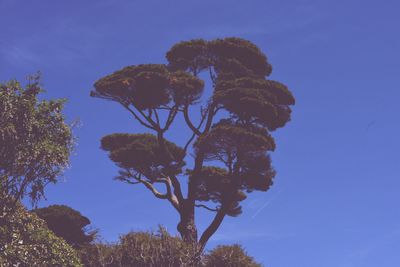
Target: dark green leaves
<point>191,56</point>
<point>239,57</point>
<point>243,150</point>
<point>143,154</point>
<point>228,140</point>
<point>67,223</point>
<point>145,86</point>
<point>256,100</point>
<point>217,185</point>
<point>185,88</point>
<point>149,86</point>
<point>230,57</point>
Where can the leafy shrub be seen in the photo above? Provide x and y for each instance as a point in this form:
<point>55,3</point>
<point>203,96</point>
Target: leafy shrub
<point>142,249</point>
<point>229,256</point>
<point>154,249</point>
<point>35,140</point>
<point>25,240</point>
<point>68,224</point>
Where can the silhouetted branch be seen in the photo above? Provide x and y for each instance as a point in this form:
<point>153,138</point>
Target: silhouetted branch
<point>177,188</point>
<point>212,228</point>
<point>194,134</point>
<point>206,207</point>
<point>171,117</point>
<point>156,115</point>
<point>148,119</point>
<point>188,121</point>
<point>137,117</point>
<point>210,117</point>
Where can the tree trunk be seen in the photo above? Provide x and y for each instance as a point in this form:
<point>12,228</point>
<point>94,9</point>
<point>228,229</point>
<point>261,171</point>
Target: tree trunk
<point>212,228</point>
<point>187,227</point>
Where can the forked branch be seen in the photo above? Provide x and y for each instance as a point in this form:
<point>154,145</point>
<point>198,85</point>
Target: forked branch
<point>213,227</point>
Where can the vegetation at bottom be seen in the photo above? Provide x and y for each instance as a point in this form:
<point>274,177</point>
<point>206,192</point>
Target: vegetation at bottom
<point>229,144</point>
<point>159,248</point>
<point>25,240</point>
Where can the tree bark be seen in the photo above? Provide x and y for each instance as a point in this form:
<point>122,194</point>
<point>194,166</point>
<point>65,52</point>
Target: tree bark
<point>187,226</point>
<point>212,228</point>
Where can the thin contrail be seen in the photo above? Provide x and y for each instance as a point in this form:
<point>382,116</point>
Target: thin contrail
<point>266,204</point>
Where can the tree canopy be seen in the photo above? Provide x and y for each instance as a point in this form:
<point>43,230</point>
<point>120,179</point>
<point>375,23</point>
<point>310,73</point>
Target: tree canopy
<point>230,138</point>
<point>35,140</point>
<point>67,223</point>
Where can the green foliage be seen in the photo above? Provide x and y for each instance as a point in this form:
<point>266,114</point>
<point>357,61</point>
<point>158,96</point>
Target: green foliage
<point>216,185</point>
<point>231,155</point>
<point>191,56</point>
<point>149,86</point>
<point>35,141</point>
<point>236,57</point>
<point>259,101</point>
<point>153,249</point>
<point>67,223</point>
<point>142,249</point>
<point>25,240</point>
<point>229,256</point>
<point>142,154</point>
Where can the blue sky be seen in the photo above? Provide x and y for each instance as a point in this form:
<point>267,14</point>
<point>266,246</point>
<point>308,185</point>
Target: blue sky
<point>335,200</point>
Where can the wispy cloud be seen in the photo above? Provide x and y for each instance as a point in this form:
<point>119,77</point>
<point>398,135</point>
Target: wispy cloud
<point>19,55</point>
<point>266,203</point>
<point>60,44</point>
<point>360,255</point>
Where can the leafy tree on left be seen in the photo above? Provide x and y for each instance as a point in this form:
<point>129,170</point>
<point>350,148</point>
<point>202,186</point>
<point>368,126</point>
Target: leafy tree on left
<point>35,141</point>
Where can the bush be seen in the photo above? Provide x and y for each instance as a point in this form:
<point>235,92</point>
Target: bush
<point>25,240</point>
<point>142,249</point>
<point>68,224</point>
<point>154,249</point>
<point>229,256</point>
<point>99,255</point>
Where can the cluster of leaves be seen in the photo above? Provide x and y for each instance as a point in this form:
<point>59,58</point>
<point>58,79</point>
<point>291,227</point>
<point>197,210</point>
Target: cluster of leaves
<point>35,141</point>
<point>229,256</point>
<point>25,240</point>
<point>68,224</point>
<point>152,249</point>
<point>149,86</point>
<point>142,153</point>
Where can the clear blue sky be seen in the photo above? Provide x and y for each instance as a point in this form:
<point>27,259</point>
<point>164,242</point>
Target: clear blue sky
<point>335,201</point>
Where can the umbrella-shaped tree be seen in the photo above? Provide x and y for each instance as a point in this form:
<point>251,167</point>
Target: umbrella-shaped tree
<point>230,138</point>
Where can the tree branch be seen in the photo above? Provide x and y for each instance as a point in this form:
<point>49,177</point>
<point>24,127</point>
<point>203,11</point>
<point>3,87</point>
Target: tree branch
<point>206,207</point>
<point>210,117</point>
<point>148,119</point>
<point>156,115</point>
<point>171,117</point>
<point>175,201</point>
<point>154,190</point>
<point>137,117</point>
<point>170,195</point>
<point>194,134</point>
<point>212,228</point>
<point>188,122</point>
<point>177,188</point>
<point>212,76</point>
